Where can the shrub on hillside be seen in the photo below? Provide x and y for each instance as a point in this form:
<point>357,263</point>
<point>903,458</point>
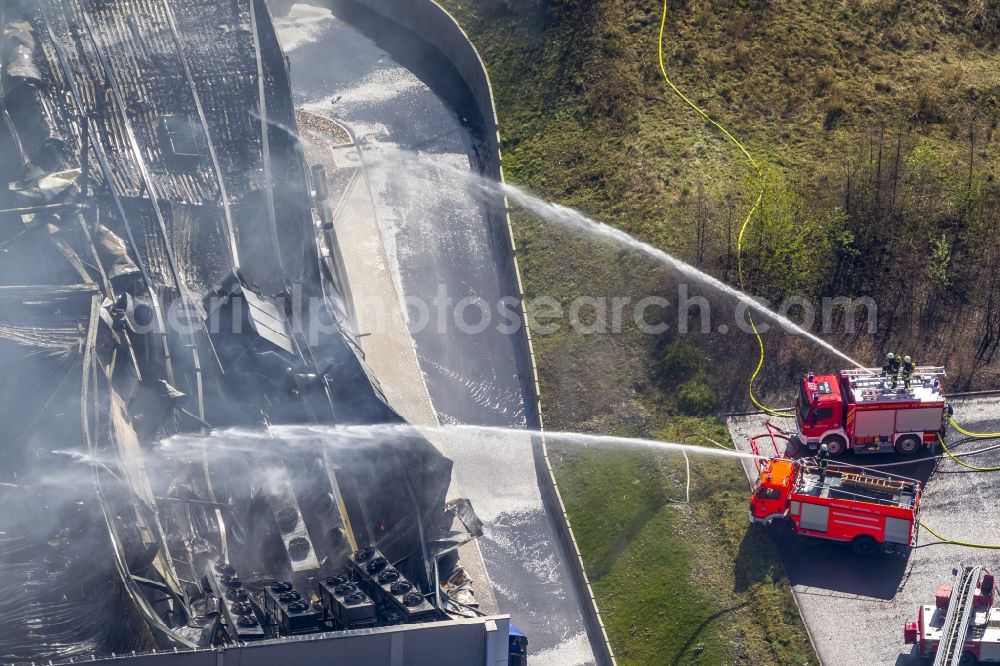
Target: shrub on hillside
<point>937,269</point>
<point>984,15</point>
<point>696,398</point>
<point>679,362</point>
<point>823,81</point>
<point>786,245</point>
<point>836,107</point>
<point>741,55</point>
<point>928,104</point>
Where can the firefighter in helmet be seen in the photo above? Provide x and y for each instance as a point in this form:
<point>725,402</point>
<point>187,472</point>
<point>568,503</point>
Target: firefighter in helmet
<point>823,461</point>
<point>908,367</point>
<point>891,369</point>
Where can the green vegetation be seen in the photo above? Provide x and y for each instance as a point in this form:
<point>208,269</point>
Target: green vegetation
<point>874,122</point>
<point>681,369</point>
<point>676,582</point>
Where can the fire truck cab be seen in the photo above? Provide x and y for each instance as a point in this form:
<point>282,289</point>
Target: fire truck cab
<point>873,511</point>
<point>858,410</point>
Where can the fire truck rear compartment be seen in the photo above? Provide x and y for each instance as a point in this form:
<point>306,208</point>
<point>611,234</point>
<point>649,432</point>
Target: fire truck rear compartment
<point>962,622</point>
<point>853,487</point>
<point>877,422</point>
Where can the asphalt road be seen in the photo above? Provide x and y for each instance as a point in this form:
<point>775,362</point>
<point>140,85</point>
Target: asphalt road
<point>417,137</point>
<point>855,608</point>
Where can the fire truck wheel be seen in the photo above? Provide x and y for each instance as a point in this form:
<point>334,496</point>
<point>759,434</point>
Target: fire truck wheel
<point>864,546</point>
<point>907,445</point>
<point>835,444</point>
<point>780,529</point>
<point>968,659</point>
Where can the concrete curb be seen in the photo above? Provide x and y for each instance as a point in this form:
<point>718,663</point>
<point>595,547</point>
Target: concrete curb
<point>435,25</point>
<point>973,394</point>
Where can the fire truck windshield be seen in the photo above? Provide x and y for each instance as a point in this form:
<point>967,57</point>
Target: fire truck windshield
<point>803,405</point>
<point>769,493</point>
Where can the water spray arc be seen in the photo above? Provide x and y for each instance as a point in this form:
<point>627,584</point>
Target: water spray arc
<point>257,443</point>
<point>573,219</point>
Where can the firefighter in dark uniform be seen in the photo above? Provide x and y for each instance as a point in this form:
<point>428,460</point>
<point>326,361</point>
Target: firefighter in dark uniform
<point>891,369</point>
<point>908,367</point>
<point>823,461</point>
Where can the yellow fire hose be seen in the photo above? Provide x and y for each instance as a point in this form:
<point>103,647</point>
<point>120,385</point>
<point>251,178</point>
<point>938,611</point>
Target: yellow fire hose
<point>746,221</point>
<point>944,447</point>
<point>953,542</point>
<point>975,435</point>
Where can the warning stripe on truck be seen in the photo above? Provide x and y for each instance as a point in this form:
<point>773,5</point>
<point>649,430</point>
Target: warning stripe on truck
<point>874,520</point>
<point>877,528</point>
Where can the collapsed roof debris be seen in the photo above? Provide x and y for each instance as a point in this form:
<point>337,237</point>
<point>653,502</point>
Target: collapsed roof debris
<point>163,311</point>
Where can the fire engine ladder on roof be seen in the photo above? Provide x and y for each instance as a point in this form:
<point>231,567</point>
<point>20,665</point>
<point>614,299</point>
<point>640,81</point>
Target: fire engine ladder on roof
<point>956,622</point>
<point>871,381</point>
<point>891,486</point>
<point>857,375</point>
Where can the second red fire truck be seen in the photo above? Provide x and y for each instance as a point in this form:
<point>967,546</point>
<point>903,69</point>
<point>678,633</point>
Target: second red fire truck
<point>861,410</point>
<point>873,511</point>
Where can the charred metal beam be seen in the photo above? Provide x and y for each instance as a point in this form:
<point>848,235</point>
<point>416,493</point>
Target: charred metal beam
<point>172,22</point>
<point>46,208</point>
<point>265,138</point>
<point>48,291</point>
<point>77,97</point>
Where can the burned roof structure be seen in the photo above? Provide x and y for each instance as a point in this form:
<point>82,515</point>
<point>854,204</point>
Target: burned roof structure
<point>173,329</point>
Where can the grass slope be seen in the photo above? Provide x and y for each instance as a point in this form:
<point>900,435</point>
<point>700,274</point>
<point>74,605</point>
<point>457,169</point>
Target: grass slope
<point>677,583</point>
<point>876,119</point>
<point>680,582</point>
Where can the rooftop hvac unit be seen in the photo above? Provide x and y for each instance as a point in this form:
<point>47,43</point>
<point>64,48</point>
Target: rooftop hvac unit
<point>387,584</point>
<point>346,603</point>
<point>241,619</point>
<point>290,611</point>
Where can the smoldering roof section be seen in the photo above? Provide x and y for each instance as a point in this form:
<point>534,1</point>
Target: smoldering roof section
<point>157,164</point>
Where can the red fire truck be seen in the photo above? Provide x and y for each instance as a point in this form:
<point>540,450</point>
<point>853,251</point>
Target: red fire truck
<point>962,627</point>
<point>860,410</point>
<point>873,511</point>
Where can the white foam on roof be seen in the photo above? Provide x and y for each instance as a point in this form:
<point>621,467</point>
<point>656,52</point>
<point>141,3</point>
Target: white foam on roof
<point>304,25</point>
<point>376,88</point>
